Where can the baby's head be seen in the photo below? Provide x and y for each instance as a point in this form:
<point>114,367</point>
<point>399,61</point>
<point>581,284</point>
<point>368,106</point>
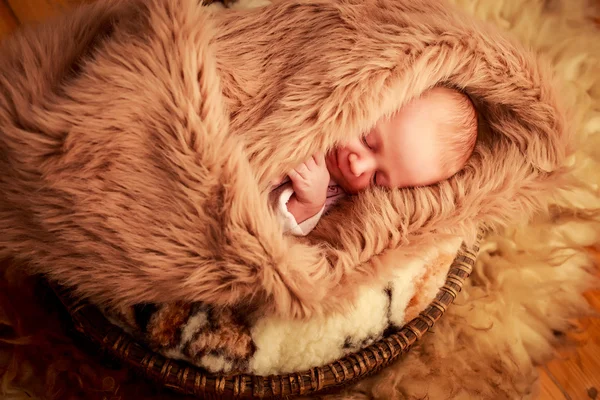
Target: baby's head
<point>425,142</point>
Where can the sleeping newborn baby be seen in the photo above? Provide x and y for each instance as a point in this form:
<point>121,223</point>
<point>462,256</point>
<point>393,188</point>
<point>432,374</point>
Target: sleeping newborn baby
<point>425,142</point>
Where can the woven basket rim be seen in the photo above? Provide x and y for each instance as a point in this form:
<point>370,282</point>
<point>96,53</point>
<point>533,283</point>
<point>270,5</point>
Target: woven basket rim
<point>187,379</point>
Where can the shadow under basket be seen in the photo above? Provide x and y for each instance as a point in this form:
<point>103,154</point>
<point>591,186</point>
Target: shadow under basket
<point>189,380</point>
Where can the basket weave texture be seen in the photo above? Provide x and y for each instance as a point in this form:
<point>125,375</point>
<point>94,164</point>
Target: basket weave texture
<point>187,379</point>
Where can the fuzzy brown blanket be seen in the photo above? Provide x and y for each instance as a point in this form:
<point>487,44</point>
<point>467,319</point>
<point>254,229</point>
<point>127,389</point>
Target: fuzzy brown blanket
<point>138,140</point>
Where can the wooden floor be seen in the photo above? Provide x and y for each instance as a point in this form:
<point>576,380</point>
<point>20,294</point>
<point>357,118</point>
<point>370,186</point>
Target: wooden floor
<point>574,375</point>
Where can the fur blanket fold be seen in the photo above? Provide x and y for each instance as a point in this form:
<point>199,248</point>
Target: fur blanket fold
<point>138,138</point>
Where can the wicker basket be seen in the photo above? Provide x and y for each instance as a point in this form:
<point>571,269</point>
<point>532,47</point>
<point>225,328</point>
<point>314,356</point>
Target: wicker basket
<point>187,379</point>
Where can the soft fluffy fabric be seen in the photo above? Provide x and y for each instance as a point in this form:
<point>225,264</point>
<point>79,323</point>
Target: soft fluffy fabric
<point>139,139</point>
<point>517,270</point>
<point>44,361</point>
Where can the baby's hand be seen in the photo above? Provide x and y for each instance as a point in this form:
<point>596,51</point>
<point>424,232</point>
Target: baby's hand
<point>309,181</point>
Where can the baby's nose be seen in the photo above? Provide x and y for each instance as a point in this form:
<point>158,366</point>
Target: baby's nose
<point>358,165</point>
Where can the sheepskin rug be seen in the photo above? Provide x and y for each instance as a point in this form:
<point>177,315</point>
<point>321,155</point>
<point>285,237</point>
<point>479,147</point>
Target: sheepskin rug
<point>512,315</point>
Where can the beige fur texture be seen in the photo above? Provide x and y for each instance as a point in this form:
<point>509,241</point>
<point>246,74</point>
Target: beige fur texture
<point>527,283</point>
<point>138,139</point>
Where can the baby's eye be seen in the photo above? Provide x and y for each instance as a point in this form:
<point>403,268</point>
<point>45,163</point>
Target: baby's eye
<point>366,142</point>
<point>374,179</point>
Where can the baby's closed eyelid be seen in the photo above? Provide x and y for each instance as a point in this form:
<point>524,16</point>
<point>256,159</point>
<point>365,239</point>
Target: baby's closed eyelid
<point>384,179</point>
<point>372,145</point>
<point>365,142</point>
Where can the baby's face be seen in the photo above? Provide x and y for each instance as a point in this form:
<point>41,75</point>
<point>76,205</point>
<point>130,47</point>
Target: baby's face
<point>403,151</point>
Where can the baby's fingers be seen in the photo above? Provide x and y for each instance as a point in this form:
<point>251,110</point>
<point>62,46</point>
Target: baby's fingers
<point>319,159</point>
<point>294,176</point>
<point>298,174</point>
<point>302,170</point>
<point>310,164</point>
<point>277,181</point>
